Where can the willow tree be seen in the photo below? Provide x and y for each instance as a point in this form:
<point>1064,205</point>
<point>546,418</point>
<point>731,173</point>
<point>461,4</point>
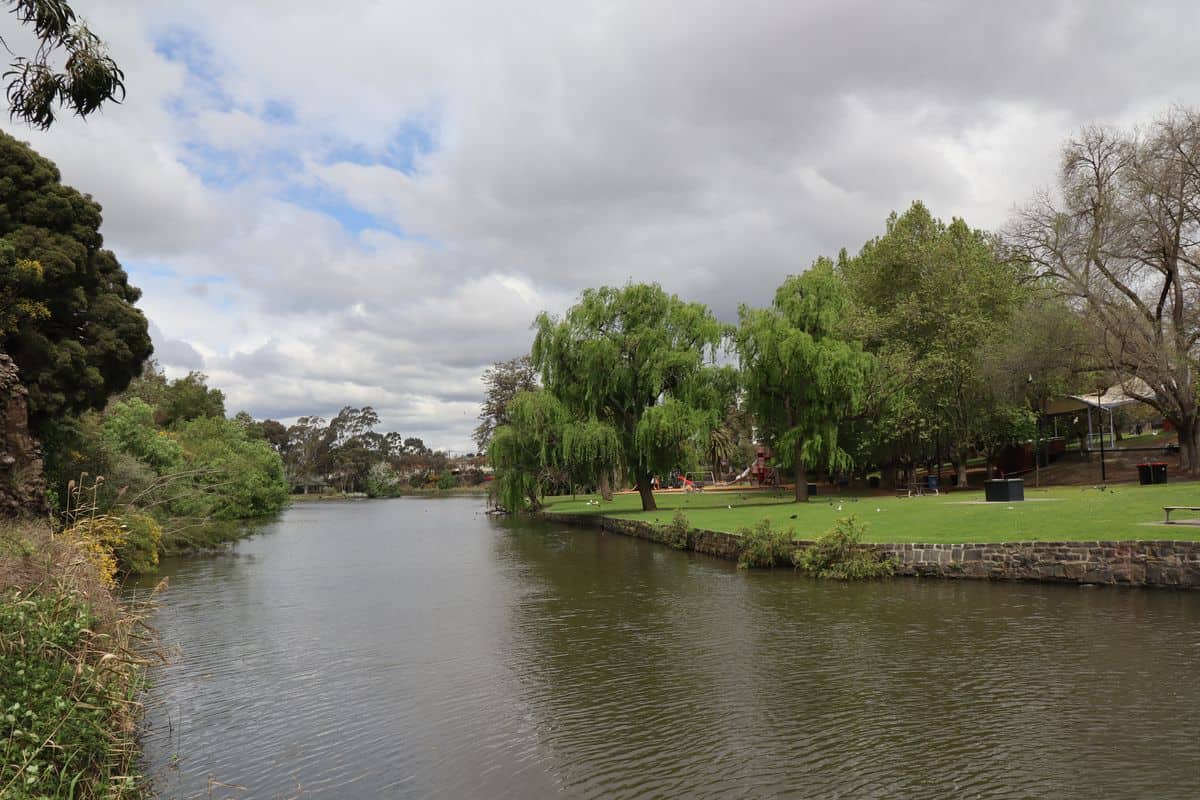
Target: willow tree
<point>591,450</point>
<point>640,361</point>
<point>803,378</point>
<point>527,449</point>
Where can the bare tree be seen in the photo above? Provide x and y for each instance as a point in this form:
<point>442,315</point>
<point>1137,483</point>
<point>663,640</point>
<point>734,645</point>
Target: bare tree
<point>1123,240</point>
<point>501,382</point>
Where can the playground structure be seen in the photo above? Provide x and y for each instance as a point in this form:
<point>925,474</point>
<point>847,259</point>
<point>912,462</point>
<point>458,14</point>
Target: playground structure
<point>760,471</point>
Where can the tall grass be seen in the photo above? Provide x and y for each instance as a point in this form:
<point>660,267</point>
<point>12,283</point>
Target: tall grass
<point>70,671</point>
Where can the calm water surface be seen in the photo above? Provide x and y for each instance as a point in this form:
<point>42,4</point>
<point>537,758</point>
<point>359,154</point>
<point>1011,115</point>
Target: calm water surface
<point>417,648</point>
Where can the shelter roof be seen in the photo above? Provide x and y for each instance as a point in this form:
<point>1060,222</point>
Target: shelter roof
<point>1121,394</point>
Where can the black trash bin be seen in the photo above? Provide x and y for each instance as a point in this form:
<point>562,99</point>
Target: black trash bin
<point>873,481</point>
<point>1145,476</point>
<point>812,490</point>
<point>1004,490</point>
<point>1158,472</point>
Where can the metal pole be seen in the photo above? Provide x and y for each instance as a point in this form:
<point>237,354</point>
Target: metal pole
<point>1037,451</point>
<point>1103,474</point>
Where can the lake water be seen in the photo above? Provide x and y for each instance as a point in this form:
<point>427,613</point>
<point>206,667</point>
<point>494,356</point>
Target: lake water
<point>418,648</point>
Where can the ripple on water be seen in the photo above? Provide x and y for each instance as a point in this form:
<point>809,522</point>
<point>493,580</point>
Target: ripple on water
<point>416,649</point>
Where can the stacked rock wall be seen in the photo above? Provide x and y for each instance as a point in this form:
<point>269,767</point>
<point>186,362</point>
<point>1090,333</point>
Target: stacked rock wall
<point>22,487</point>
<point>1143,563</point>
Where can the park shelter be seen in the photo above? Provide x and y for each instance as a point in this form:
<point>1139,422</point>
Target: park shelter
<point>1111,398</point>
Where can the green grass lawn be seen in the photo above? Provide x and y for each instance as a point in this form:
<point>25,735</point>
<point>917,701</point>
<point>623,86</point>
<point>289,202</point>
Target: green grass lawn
<point>1063,513</point>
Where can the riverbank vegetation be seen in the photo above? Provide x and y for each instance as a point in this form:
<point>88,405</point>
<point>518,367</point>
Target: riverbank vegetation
<point>934,343</point>
<point>163,452</point>
<point>71,673</point>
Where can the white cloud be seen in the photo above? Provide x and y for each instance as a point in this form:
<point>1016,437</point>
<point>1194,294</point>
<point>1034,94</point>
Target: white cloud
<point>367,205</point>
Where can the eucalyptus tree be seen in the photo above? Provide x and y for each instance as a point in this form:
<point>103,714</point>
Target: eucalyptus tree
<point>36,86</point>
<point>641,362</point>
<point>803,377</point>
<point>1122,240</point>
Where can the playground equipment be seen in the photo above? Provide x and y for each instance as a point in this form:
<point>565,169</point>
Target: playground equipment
<point>741,476</point>
<point>763,475</point>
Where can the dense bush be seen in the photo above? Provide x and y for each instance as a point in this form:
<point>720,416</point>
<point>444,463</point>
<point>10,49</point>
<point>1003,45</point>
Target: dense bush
<point>382,480</point>
<point>446,481</point>
<point>763,546</point>
<point>840,554</point>
<point>231,476</point>
<point>138,550</point>
<point>679,532</point>
<point>129,428</point>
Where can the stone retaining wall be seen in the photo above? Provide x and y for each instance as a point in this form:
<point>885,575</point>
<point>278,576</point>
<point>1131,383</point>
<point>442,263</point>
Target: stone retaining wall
<point>1158,563</point>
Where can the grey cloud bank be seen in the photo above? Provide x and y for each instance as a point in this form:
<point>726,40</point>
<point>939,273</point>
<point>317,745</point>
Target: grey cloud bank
<point>387,194</point>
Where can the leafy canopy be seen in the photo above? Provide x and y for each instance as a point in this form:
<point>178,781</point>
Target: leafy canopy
<point>640,361</point>
<point>70,324</point>
<point>526,451</point>
<point>803,378</point>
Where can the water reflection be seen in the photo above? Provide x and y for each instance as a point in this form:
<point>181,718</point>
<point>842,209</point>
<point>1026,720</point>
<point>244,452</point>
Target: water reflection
<point>416,648</point>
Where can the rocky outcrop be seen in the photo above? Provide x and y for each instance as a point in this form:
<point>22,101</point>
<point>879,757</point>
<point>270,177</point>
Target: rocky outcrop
<point>22,487</point>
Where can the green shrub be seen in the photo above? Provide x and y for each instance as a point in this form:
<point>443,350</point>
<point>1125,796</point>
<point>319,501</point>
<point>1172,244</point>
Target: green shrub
<point>382,480</point>
<point>679,532</point>
<point>763,546</point>
<point>446,481</point>
<point>129,428</point>
<point>840,554</point>
<point>232,477</point>
<point>137,553</point>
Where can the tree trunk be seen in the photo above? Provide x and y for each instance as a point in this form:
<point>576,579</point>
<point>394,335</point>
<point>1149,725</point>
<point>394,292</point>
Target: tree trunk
<point>647,492</point>
<point>800,475</point>
<point>961,466</point>
<point>605,485</point>
<point>1189,448</point>
<point>887,477</point>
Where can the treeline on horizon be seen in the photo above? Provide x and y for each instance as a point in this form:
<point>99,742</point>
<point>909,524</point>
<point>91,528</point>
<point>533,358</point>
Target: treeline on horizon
<point>934,342</point>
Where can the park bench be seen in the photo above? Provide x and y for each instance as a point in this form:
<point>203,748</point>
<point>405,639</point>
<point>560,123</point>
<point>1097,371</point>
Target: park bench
<point>1169,509</point>
<point>916,491</point>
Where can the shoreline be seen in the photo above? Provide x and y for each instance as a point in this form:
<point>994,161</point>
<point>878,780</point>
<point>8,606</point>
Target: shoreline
<point>1151,564</point>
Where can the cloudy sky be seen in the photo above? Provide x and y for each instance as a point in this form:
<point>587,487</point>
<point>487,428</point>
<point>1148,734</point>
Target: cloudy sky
<point>366,203</point>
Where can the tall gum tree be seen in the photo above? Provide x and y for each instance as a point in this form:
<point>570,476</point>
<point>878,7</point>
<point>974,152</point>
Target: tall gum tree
<point>641,362</point>
<point>802,377</point>
<point>1122,240</point>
